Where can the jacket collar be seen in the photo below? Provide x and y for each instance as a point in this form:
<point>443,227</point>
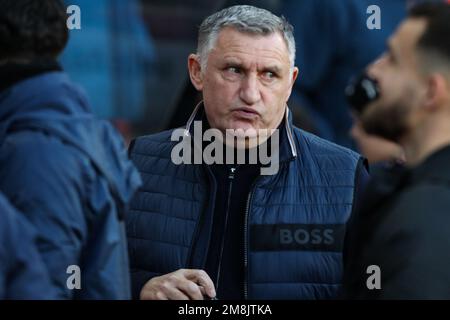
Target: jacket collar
<point>392,180</point>
<point>288,149</point>
<point>13,73</point>
<point>436,167</point>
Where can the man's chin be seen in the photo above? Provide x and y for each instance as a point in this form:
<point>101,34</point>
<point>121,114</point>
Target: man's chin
<point>243,129</point>
<point>384,131</point>
<point>386,122</point>
<point>243,135</point>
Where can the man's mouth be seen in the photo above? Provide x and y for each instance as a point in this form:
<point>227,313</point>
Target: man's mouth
<point>246,113</point>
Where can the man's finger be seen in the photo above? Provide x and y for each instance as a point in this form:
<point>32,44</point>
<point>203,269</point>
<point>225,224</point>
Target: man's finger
<point>201,278</point>
<point>173,293</point>
<point>191,289</point>
<point>160,296</point>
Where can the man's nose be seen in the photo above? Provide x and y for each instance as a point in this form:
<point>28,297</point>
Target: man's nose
<point>374,69</point>
<point>249,92</point>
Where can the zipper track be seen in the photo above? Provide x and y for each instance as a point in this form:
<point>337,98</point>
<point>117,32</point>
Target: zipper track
<point>249,199</point>
<point>231,178</point>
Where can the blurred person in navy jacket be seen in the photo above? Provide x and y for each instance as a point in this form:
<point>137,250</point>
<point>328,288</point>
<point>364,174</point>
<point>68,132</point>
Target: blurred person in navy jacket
<point>65,170</point>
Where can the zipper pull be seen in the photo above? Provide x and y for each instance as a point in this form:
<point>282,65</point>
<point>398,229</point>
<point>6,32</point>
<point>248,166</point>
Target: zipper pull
<point>232,172</point>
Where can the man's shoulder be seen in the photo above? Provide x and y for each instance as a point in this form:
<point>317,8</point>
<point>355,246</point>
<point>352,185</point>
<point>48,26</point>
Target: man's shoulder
<point>414,221</point>
<point>421,211</point>
<point>424,201</point>
<point>33,146</point>
<point>26,158</point>
<point>157,144</point>
<point>322,147</point>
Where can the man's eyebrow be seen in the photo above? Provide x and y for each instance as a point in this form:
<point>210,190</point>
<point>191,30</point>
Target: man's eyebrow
<point>274,69</point>
<point>233,62</point>
<point>236,63</point>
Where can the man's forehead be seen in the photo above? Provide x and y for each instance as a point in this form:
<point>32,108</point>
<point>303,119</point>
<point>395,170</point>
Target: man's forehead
<point>233,43</point>
<point>407,35</point>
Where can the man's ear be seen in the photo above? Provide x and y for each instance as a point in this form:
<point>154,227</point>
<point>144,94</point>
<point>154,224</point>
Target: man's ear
<point>195,71</point>
<point>294,77</point>
<point>437,92</point>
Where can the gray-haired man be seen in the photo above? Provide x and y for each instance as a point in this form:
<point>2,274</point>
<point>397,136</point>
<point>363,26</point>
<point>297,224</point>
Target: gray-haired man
<point>225,229</point>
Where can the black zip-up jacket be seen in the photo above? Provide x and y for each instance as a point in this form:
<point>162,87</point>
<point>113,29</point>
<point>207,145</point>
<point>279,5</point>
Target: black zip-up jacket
<point>404,229</point>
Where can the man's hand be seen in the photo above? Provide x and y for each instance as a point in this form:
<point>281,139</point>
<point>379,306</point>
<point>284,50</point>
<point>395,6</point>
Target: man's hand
<point>183,284</point>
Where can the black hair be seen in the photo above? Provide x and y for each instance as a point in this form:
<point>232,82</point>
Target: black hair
<point>436,36</point>
<point>31,29</point>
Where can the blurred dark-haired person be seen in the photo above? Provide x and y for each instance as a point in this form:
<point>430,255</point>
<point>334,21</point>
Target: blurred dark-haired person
<point>398,245</point>
<point>66,171</point>
<point>22,273</point>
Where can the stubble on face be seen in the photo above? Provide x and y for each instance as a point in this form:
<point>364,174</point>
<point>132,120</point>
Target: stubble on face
<point>397,74</point>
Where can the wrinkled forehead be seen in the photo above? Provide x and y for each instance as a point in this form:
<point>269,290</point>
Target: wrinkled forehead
<point>231,42</point>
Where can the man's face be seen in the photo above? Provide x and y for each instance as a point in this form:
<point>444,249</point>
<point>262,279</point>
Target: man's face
<point>247,81</point>
<point>402,88</point>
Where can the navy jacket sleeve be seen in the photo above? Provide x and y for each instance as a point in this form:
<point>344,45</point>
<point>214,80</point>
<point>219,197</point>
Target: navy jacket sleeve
<point>22,272</point>
<point>41,179</point>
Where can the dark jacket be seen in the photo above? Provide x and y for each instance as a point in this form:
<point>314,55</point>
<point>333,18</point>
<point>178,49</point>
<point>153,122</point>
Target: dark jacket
<point>22,272</point>
<point>294,220</point>
<point>403,228</point>
<point>69,174</point>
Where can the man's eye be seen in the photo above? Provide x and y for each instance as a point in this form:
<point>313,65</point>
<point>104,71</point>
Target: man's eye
<point>269,75</point>
<point>234,70</point>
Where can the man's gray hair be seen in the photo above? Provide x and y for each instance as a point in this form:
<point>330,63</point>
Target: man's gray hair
<point>246,19</point>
